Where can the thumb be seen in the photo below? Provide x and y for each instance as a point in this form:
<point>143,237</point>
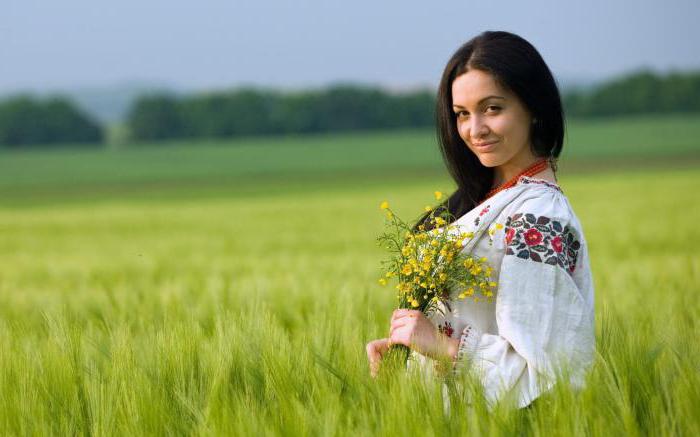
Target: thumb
<point>375,350</point>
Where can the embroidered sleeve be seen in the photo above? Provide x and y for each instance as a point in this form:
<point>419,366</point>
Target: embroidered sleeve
<point>467,344</point>
<point>541,239</point>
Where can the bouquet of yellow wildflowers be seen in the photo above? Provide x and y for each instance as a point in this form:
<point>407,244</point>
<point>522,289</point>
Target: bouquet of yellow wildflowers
<point>430,264</point>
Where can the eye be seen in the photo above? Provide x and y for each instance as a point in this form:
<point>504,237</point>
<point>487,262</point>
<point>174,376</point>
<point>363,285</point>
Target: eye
<point>461,114</point>
<point>493,108</point>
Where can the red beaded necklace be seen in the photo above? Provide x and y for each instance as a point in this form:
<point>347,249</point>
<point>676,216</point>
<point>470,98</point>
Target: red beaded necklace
<point>530,171</point>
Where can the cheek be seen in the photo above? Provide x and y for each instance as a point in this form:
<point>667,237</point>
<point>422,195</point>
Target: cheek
<point>510,128</point>
<point>502,126</point>
<point>462,130</point>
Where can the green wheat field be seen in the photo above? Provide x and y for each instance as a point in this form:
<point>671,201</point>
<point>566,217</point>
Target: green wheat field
<point>229,288</point>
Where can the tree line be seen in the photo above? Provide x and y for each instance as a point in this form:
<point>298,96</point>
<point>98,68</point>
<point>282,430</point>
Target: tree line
<point>247,112</point>
<point>641,93</point>
<point>27,121</point>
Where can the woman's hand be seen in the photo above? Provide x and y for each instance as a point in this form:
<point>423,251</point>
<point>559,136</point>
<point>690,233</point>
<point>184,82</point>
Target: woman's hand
<point>413,329</point>
<point>375,350</point>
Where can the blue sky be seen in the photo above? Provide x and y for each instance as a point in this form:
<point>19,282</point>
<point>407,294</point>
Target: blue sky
<point>292,44</point>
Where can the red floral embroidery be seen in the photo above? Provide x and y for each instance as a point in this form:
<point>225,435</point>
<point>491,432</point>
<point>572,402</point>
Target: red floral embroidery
<point>446,329</point>
<point>542,239</point>
<point>483,211</point>
<point>556,244</point>
<point>533,237</point>
<point>509,235</point>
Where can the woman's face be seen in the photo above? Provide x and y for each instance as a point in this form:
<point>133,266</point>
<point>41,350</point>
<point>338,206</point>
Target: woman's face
<point>493,123</point>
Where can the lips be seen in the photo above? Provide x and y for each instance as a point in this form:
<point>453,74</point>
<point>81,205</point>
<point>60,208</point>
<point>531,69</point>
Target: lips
<point>484,147</point>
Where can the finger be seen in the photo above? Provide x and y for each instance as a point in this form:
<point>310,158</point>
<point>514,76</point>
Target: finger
<point>381,346</point>
<point>399,322</point>
<point>370,351</point>
<point>410,324</point>
<point>400,314</point>
<point>374,369</point>
<point>401,336</point>
<point>375,351</point>
<point>404,321</point>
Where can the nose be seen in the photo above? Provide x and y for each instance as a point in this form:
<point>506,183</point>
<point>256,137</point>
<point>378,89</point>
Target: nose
<point>477,127</point>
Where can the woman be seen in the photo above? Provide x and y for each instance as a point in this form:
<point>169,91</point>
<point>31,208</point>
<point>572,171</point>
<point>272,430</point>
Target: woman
<point>501,127</point>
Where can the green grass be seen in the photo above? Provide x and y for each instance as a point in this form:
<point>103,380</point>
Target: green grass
<point>233,310</point>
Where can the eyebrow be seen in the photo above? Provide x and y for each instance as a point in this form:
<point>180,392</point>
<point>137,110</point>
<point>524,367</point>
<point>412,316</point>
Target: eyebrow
<point>480,101</point>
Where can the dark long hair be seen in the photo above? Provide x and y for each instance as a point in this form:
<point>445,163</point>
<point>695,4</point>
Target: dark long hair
<point>515,65</point>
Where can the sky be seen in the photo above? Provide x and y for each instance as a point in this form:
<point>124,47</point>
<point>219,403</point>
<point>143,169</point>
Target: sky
<point>212,44</point>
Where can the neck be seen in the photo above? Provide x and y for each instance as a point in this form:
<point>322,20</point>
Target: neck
<point>537,169</point>
<point>506,172</point>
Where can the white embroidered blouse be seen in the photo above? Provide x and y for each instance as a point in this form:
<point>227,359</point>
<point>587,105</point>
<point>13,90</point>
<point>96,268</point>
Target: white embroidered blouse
<point>541,318</point>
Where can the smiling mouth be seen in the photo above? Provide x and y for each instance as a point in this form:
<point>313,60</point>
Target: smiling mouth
<point>484,145</point>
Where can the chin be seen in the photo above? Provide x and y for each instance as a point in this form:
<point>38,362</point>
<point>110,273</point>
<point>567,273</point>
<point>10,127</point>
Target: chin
<point>489,161</point>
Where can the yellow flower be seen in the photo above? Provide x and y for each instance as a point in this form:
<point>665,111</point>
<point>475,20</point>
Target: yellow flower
<point>415,303</point>
<point>382,281</point>
<point>499,226</point>
<point>389,214</point>
<point>438,195</point>
<point>428,208</point>
<point>439,221</point>
<point>406,270</point>
<point>384,205</point>
<point>434,243</point>
<point>492,284</point>
<point>404,286</point>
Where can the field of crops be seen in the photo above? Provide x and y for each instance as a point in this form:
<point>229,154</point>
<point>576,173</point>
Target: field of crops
<point>231,290</point>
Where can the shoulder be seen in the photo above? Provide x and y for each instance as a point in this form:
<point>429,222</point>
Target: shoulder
<point>540,198</point>
<point>540,226</point>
